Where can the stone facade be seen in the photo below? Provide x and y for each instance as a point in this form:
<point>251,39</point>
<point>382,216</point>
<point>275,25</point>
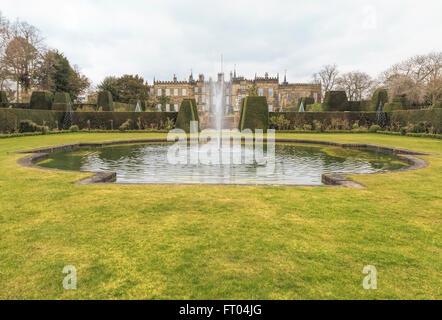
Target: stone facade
<point>279,95</point>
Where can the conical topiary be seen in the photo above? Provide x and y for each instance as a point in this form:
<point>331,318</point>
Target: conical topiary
<point>188,112</point>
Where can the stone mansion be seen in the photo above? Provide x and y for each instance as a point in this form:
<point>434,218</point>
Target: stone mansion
<point>280,95</point>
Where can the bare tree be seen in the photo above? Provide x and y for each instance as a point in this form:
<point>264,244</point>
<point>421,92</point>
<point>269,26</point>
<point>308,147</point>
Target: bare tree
<point>327,77</point>
<point>419,78</point>
<point>22,48</point>
<point>356,84</point>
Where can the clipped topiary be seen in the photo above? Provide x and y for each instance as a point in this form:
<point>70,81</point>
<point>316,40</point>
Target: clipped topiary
<point>380,96</point>
<point>62,100</point>
<point>41,100</point>
<point>335,101</point>
<point>4,103</point>
<point>254,114</point>
<point>105,101</point>
<point>188,112</point>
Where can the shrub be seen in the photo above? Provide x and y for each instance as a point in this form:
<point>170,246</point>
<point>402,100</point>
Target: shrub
<point>74,128</point>
<point>4,103</point>
<point>41,100</point>
<point>374,128</point>
<point>335,101</point>
<point>105,101</point>
<point>403,131</point>
<point>279,122</point>
<point>254,114</point>
<point>30,126</point>
<point>307,127</point>
<point>317,125</point>
<point>355,126</point>
<point>316,107</point>
<point>62,100</point>
<point>392,106</point>
<point>128,125</point>
<point>188,112</point>
<point>27,126</point>
<point>380,96</point>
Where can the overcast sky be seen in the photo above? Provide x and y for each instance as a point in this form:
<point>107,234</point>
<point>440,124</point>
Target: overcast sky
<point>160,38</point>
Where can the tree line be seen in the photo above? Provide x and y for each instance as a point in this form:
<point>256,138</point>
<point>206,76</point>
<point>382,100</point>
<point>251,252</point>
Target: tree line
<point>27,64</point>
<point>417,80</point>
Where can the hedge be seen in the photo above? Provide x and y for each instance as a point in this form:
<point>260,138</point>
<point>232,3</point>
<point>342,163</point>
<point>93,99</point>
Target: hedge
<point>10,118</point>
<point>105,101</point>
<point>188,112</point>
<point>62,100</point>
<point>392,106</point>
<point>328,120</point>
<point>335,101</point>
<point>254,114</point>
<point>114,120</point>
<point>4,103</point>
<point>41,100</point>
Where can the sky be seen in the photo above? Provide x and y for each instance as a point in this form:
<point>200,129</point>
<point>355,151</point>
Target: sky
<point>162,38</point>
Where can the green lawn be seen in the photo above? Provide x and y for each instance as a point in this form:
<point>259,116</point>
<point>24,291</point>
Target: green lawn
<point>219,242</point>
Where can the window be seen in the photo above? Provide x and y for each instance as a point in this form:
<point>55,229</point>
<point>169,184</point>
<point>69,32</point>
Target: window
<point>228,99</point>
<point>279,97</point>
<point>184,92</point>
<point>288,97</point>
<point>167,92</point>
<point>152,91</point>
<point>160,92</point>
<point>271,92</point>
<point>167,107</point>
<point>175,92</point>
<point>176,107</point>
<point>315,96</point>
<point>261,92</point>
<point>299,96</point>
<point>196,89</point>
<point>271,108</point>
<point>243,88</point>
<point>196,99</point>
<point>159,107</point>
<point>203,89</point>
<point>203,98</point>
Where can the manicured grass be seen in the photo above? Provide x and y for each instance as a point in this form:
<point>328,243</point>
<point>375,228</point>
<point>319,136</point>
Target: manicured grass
<point>219,242</point>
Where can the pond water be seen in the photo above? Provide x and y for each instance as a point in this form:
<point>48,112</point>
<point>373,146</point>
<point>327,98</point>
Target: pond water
<point>295,164</point>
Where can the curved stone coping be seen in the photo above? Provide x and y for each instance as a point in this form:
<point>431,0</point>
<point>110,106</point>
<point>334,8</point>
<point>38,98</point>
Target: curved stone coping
<point>332,179</point>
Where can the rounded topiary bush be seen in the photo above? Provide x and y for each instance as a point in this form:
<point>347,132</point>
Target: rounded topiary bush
<point>105,101</point>
<point>374,128</point>
<point>335,101</point>
<point>41,100</point>
<point>62,100</point>
<point>380,96</point>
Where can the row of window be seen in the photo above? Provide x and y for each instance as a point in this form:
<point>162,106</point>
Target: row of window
<point>175,92</point>
<point>176,107</point>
